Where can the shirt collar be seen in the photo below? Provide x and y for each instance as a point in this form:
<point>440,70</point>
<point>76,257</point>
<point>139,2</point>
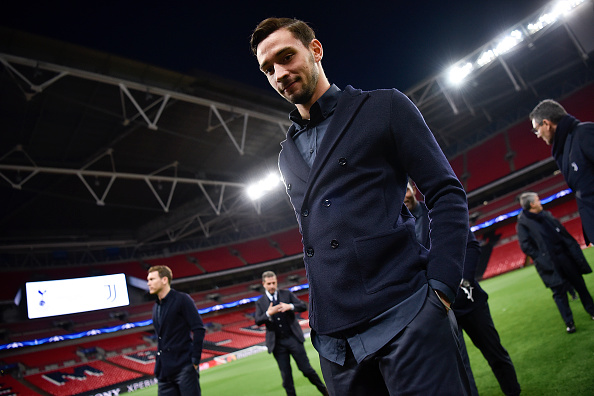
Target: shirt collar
<point>164,299</point>
<point>271,296</point>
<point>320,110</point>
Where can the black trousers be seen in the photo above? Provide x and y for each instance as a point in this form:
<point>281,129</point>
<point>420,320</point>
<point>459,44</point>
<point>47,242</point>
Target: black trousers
<point>283,350</point>
<point>479,326</point>
<point>568,271</point>
<point>185,383</point>
<point>423,359</point>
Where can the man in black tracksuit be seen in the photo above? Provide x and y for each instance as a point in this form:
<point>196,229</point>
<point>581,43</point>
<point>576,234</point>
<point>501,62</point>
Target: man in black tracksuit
<point>470,307</point>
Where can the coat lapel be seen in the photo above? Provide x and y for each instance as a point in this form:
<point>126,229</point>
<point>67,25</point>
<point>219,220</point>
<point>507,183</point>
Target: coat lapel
<point>298,165</point>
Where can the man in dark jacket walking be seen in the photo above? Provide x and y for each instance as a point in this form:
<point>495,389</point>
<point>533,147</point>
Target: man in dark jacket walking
<point>557,256</point>
<point>573,149</point>
<point>284,337</point>
<point>180,333</point>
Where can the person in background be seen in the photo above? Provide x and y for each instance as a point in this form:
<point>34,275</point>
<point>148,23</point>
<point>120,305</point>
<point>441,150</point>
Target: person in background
<point>573,150</point>
<point>471,307</point>
<point>284,337</point>
<point>556,254</point>
<point>175,319</point>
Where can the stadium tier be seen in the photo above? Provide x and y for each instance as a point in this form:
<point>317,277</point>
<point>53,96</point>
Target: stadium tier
<point>257,251</point>
<point>12,387</point>
<point>217,259</point>
<point>81,378</point>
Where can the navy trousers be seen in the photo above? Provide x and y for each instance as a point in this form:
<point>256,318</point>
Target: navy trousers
<point>423,359</point>
<point>185,383</point>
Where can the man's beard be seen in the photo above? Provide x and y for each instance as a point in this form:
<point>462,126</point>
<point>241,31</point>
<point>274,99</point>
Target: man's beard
<point>309,88</point>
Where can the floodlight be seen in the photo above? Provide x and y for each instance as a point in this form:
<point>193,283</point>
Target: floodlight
<point>509,42</point>
<point>485,58</point>
<point>458,73</point>
<point>258,189</point>
<point>554,12</point>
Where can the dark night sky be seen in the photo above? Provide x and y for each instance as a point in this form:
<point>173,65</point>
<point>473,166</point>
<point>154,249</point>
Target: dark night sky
<point>368,44</point>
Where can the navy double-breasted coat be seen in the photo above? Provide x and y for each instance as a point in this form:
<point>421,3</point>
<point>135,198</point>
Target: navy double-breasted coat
<point>360,249</point>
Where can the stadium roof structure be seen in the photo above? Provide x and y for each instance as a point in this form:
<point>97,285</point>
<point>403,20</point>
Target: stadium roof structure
<point>106,159</point>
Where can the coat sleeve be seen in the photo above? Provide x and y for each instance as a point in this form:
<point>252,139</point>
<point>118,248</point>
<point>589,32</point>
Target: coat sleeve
<point>196,326</point>
<point>527,244</point>
<point>260,316</point>
<point>586,144</point>
<point>422,159</point>
<point>299,305</point>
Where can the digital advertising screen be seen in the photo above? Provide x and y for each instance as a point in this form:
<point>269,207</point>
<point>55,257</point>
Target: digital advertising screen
<point>68,296</point>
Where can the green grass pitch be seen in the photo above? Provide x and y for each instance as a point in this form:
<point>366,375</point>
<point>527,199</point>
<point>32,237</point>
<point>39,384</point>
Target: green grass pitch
<point>548,361</point>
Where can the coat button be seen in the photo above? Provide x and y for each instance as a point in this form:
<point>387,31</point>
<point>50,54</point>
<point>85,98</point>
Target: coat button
<point>305,213</point>
<point>342,161</point>
<point>289,187</point>
<point>334,244</point>
<point>327,202</point>
<point>309,252</point>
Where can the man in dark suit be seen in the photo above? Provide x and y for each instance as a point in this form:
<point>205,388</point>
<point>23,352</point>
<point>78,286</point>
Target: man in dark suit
<point>178,354</point>
<point>379,303</point>
<point>557,256</point>
<point>284,337</point>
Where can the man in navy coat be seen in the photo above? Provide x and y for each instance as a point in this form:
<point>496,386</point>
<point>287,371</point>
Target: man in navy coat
<point>557,256</point>
<point>573,150</point>
<point>379,302</point>
<point>180,334</point>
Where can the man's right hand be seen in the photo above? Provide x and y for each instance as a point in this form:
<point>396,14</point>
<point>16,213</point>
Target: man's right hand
<point>273,309</point>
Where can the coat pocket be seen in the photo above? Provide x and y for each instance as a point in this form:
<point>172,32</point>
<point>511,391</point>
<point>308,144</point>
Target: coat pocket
<point>389,258</point>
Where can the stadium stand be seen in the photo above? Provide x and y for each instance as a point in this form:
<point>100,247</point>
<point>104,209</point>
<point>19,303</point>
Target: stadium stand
<point>118,342</point>
<point>233,340</point>
<point>217,259</point>
<point>81,378</point>
<point>257,251</point>
<point>289,242</point>
<point>179,264</point>
<point>142,360</point>
<point>12,387</point>
<point>39,359</point>
<point>488,162</point>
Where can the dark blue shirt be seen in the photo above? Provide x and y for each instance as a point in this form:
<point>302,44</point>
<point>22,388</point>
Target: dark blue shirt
<point>309,133</point>
<point>421,214</point>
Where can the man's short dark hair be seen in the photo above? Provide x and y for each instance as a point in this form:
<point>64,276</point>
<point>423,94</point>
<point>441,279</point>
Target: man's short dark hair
<point>300,30</point>
<point>267,274</point>
<point>163,270</point>
<point>548,109</point>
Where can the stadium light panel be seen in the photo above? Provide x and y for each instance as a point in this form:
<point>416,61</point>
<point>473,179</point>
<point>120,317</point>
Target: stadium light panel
<point>486,58</point>
<point>260,188</point>
<point>457,73</point>
<point>517,34</point>
<point>509,42</point>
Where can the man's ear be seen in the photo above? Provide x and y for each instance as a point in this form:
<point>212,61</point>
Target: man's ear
<point>316,48</point>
